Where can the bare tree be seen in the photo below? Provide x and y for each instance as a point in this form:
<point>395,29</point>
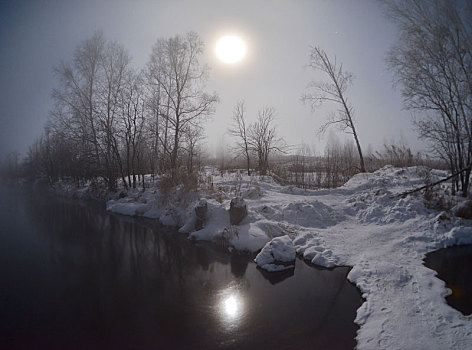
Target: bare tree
<point>175,69</point>
<point>132,124</point>
<point>87,102</point>
<point>239,130</point>
<point>115,67</point>
<point>110,120</point>
<point>154,126</point>
<point>263,139</point>
<point>433,63</point>
<point>158,110</point>
<point>333,90</point>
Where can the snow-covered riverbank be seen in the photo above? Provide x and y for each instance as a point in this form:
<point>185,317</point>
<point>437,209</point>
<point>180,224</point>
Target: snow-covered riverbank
<point>362,224</point>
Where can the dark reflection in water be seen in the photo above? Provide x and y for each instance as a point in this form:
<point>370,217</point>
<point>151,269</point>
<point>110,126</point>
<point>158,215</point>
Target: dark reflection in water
<point>454,266</point>
<point>74,276</point>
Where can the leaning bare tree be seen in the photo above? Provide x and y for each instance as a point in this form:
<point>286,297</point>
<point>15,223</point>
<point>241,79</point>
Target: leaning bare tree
<point>239,130</point>
<point>433,63</point>
<point>333,90</point>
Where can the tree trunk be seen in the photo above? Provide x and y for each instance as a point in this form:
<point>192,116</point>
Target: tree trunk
<point>248,165</point>
<point>361,158</point>
<point>175,149</point>
<point>465,186</point>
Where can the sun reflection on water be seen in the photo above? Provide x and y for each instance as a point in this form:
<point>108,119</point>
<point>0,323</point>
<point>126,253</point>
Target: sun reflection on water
<point>230,307</point>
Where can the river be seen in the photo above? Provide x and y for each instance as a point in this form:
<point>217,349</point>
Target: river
<point>76,277</point>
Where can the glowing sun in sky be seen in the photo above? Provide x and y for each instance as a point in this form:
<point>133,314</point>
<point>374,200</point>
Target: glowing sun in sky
<point>230,49</point>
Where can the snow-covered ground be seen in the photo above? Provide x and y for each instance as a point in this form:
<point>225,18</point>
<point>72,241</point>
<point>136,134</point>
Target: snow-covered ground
<point>363,224</point>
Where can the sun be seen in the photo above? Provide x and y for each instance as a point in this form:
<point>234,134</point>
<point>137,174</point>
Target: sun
<point>230,49</point>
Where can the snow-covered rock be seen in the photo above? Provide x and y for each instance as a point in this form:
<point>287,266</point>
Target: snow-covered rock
<point>201,210</point>
<point>463,209</point>
<point>277,255</point>
<point>237,210</point>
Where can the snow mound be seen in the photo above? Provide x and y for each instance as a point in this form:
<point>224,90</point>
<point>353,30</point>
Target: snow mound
<point>312,248</point>
<point>392,178</point>
<point>277,255</point>
<point>381,207</point>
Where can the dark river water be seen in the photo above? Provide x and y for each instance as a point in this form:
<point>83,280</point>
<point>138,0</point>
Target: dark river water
<point>454,266</point>
<point>75,277</point>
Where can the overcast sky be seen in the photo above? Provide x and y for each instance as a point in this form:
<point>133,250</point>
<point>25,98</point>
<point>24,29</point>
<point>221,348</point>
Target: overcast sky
<point>36,35</point>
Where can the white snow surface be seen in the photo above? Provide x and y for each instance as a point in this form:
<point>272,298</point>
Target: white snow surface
<point>363,224</point>
<point>278,250</point>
